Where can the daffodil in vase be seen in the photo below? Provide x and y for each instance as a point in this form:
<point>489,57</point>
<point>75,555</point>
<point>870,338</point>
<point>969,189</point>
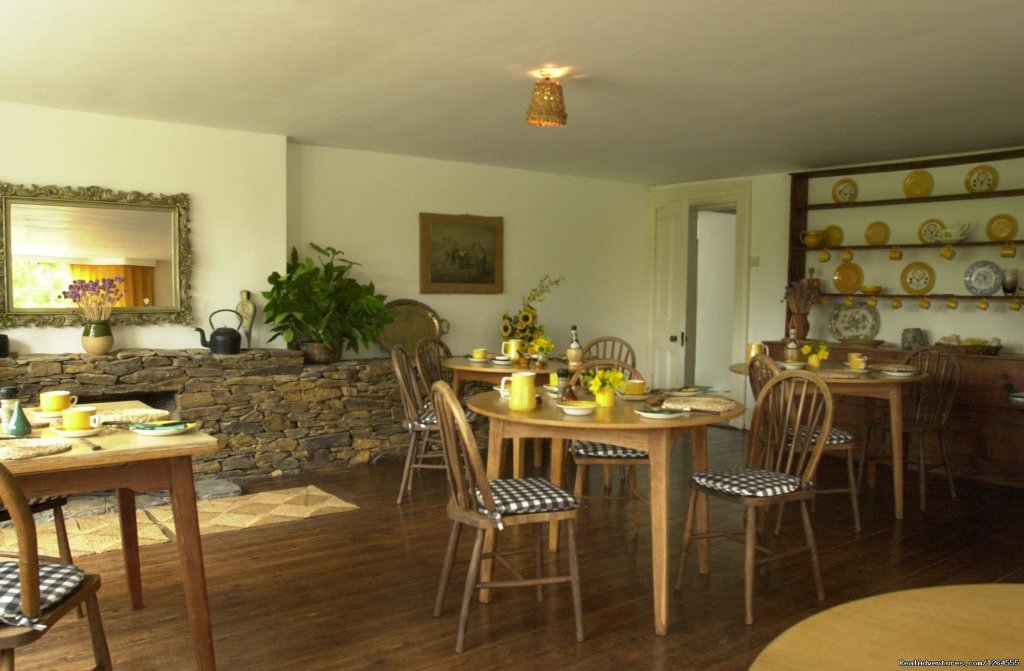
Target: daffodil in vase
<point>603,383</point>
<point>541,347</point>
<point>96,300</point>
<point>815,354</point>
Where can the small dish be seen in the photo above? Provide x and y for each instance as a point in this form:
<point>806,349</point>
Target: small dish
<point>844,191</point>
<point>472,360</point>
<point>577,408</point>
<point>982,179</point>
<point>551,390</point>
<point>39,412</point>
<point>917,278</point>
<point>929,230</point>
<point>877,233</point>
<point>792,365</point>
<point>899,373</point>
<point>501,362</point>
<point>848,277</point>
<point>833,236</point>
<point>918,184</point>
<point>633,397</point>
<point>871,289</point>
<point>686,391</point>
<point>658,413</point>
<point>75,433</point>
<point>170,428</point>
<point>983,278</point>
<point>1001,227</point>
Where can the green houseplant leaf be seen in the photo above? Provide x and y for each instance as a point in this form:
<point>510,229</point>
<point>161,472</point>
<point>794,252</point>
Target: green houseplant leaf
<point>318,301</point>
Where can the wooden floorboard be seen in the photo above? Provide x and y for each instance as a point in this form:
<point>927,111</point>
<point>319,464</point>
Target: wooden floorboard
<point>355,590</point>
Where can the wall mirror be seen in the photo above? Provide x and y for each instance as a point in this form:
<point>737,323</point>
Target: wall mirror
<point>54,235</point>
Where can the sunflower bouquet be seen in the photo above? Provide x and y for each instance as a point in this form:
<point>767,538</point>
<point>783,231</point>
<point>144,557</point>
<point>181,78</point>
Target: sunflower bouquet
<point>523,323</point>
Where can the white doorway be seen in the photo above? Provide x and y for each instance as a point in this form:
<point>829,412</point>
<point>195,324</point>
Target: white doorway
<point>712,282</point>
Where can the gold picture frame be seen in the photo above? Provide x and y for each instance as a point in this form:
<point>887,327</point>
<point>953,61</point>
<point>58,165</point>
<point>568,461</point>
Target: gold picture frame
<point>461,254</point>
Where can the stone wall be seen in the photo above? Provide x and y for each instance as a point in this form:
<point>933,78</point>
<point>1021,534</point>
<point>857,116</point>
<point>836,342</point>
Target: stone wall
<point>270,413</point>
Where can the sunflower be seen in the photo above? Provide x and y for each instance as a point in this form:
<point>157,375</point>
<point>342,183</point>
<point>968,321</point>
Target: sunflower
<point>527,317</point>
<point>506,327</point>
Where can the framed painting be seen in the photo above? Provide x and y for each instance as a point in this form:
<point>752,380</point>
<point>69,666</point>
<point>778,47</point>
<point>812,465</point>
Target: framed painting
<point>461,254</point>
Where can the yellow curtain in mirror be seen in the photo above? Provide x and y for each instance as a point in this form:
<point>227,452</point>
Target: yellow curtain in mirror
<point>138,281</point>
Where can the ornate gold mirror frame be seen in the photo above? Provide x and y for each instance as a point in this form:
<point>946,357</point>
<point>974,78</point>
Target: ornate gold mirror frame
<point>93,224</point>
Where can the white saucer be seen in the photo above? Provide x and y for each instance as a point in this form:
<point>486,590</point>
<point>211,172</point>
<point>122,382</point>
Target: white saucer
<point>39,412</point>
<point>794,365</point>
<point>899,373</point>
<point>659,415</point>
<point>635,397</point>
<point>75,433</point>
<point>472,360</point>
<point>164,432</point>
<point>501,363</point>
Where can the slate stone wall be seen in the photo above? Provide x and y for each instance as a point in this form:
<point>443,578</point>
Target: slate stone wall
<point>270,413</point>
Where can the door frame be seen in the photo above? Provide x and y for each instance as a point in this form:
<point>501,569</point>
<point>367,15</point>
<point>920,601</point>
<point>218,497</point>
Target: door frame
<point>709,195</point>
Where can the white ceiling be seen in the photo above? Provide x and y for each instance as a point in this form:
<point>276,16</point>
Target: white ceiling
<point>661,91</point>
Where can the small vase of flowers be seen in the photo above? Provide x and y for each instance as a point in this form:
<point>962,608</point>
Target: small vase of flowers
<point>96,300</point>
<point>541,347</point>
<point>815,353</point>
<point>603,383</point>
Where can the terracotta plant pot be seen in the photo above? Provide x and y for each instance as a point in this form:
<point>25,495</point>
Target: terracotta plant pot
<point>318,352</point>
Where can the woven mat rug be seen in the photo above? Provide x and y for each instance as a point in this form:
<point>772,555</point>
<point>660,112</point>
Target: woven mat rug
<point>91,534</point>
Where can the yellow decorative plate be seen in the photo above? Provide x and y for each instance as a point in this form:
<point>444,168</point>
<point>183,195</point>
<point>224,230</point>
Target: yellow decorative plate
<point>982,179</point>
<point>930,229</point>
<point>877,233</point>
<point>848,278</point>
<point>1001,227</point>
<point>917,278</point>
<point>833,236</point>
<point>918,184</point>
<point>844,191</point>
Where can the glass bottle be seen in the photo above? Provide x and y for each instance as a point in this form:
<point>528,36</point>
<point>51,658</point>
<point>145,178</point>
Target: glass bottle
<point>574,342</point>
<point>575,352</point>
<point>8,399</point>
<point>563,383</point>
<point>792,348</point>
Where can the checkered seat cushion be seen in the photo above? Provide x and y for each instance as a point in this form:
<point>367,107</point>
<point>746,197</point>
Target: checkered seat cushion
<point>748,482</point>
<point>56,581</point>
<point>428,418</point>
<point>526,495</point>
<point>586,448</point>
<point>835,436</point>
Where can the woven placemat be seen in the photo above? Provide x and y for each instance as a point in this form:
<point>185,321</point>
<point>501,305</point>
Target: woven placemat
<point>26,448</point>
<point>839,374</point>
<point>133,415</point>
<point>709,403</point>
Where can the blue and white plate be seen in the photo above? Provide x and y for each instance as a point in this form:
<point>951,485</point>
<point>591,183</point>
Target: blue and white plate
<point>983,278</point>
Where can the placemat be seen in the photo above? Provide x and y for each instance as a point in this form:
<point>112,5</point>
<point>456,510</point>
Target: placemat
<point>709,403</point>
<point>26,448</point>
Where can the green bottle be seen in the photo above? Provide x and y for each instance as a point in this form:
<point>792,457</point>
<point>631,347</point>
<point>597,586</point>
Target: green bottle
<point>18,426</point>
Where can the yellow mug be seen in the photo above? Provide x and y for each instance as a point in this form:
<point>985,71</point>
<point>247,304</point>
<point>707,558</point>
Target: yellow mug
<point>1009,250</point>
<point>479,353</point>
<point>847,255</point>
<point>896,253</point>
<point>56,401</point>
<point>925,303</point>
<point>983,304</point>
<point>859,363</point>
<point>947,251</point>
<point>848,301</point>
<point>896,304</point>
<point>636,387</point>
<point>1015,305</point>
<point>952,303</point>
<point>872,301</point>
<point>824,256</point>
<point>80,418</point>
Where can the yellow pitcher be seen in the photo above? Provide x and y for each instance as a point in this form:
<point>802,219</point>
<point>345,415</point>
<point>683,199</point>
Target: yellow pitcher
<point>513,348</point>
<point>522,394</point>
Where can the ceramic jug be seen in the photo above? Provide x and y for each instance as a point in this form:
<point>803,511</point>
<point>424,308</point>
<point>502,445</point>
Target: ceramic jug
<point>513,348</point>
<point>522,395</point>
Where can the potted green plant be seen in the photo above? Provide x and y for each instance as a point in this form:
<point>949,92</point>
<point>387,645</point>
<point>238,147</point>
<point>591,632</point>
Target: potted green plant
<point>318,307</point>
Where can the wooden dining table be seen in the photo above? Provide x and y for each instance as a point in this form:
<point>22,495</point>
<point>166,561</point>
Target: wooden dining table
<point>619,425</point>
<point>124,461</point>
<point>873,384</point>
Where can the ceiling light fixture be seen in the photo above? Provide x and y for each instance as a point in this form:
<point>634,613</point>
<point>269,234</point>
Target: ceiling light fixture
<point>547,105</point>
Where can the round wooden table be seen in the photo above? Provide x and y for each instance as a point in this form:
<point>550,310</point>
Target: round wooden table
<point>951,622</point>
<point>464,370</point>
<point>618,425</point>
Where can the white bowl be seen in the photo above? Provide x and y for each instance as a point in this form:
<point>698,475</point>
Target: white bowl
<point>578,408</point>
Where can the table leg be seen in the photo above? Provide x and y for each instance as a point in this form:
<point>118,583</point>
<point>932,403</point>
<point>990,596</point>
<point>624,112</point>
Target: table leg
<point>518,462</point>
<point>659,478</point>
<point>495,449</point>
<point>190,551</point>
<point>558,480</point>
<point>130,545</point>
<point>699,436</point>
<point>896,429</point>
<point>458,384</point>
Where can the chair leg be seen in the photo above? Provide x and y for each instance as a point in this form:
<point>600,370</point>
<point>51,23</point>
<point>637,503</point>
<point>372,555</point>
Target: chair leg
<point>63,546</point>
<point>446,568</point>
<point>7,659</point>
<point>574,579</point>
<point>607,470</point>
<point>749,555</point>
<point>778,518</point>
<point>410,458</point>
<point>467,594</point>
<point>922,471</point>
<point>812,546</point>
<point>581,475</point>
<point>691,509</point>
<point>852,479</point>
<point>945,464</point>
<point>100,651</point>
<point>538,558</point>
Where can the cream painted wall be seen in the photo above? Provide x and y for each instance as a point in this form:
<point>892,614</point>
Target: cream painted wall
<point>236,180</point>
<point>595,233</point>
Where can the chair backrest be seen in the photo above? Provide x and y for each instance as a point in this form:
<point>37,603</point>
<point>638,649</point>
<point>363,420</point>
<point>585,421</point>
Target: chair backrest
<point>761,369</point>
<point>792,419</point>
<point>408,386</point>
<point>628,371</point>
<point>28,547</point>
<point>430,354</point>
<point>933,398</point>
<point>610,347</point>
<point>466,473</point>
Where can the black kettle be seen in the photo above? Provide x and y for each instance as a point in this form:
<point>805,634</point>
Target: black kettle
<point>223,340</point>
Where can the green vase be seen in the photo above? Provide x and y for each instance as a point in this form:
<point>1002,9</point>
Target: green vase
<point>97,338</point>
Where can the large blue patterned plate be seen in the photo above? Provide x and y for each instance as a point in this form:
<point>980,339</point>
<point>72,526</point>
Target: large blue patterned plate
<point>983,278</point>
<point>858,321</point>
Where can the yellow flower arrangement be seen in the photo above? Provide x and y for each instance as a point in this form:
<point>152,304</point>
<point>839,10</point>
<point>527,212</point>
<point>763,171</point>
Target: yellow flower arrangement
<point>608,377</point>
<point>542,345</point>
<point>818,349</point>
<point>523,323</point>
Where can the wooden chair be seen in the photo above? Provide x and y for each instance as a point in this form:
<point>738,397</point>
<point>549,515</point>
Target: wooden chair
<point>792,417</point>
<point>495,505</point>
<point>425,450</point>
<point>34,595</point>
<point>610,347</point>
<point>587,453</point>
<point>926,413</point>
<point>839,443</point>
<point>430,354</point>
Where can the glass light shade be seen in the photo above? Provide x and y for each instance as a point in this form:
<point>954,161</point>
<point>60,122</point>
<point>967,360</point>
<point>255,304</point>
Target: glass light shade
<point>547,106</point>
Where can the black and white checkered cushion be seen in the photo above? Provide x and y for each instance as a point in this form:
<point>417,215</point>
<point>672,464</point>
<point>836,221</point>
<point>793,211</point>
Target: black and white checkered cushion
<point>427,417</point>
<point>56,581</point>
<point>586,448</point>
<point>748,481</point>
<point>835,436</point>
<point>526,495</point>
